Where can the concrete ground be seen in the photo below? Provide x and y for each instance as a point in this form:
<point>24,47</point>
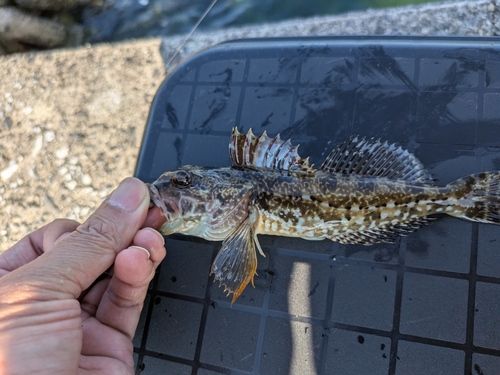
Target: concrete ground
<point>71,121</point>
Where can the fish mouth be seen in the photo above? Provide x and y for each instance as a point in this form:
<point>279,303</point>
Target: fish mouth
<point>169,208</point>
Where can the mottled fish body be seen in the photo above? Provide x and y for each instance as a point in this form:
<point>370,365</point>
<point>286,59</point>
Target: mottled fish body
<point>365,192</point>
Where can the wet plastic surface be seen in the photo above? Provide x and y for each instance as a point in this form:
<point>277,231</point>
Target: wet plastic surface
<point>428,304</point>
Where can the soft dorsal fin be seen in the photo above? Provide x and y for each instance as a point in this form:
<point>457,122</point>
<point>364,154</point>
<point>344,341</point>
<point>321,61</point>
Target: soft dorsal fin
<point>374,158</point>
<point>265,152</point>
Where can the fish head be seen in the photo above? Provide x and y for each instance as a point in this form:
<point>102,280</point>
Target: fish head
<point>202,202</point>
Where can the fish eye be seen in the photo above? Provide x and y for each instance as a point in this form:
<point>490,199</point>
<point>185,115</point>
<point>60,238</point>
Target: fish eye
<point>181,179</point>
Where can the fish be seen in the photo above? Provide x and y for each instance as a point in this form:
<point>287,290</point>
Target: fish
<point>365,192</point>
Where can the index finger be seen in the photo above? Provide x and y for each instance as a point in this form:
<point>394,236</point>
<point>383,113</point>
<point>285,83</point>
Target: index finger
<point>34,244</point>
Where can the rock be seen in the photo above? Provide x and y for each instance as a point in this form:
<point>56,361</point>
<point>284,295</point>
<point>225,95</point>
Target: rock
<point>62,152</point>
<point>71,185</point>
<point>7,123</point>
<point>21,27</point>
<point>86,179</point>
<point>7,173</point>
<point>74,30</point>
<point>37,146</point>
<point>84,212</point>
<point>11,46</point>
<point>75,35</point>
<point>51,4</point>
<point>49,136</point>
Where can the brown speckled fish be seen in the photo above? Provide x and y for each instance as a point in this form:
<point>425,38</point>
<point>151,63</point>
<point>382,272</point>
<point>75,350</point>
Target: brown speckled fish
<point>365,192</point>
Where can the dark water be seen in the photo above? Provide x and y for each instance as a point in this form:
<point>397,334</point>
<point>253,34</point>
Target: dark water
<point>125,19</point>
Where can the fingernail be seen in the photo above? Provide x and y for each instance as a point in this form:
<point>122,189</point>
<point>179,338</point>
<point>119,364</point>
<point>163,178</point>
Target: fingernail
<point>129,194</point>
<point>158,234</point>
<point>141,248</point>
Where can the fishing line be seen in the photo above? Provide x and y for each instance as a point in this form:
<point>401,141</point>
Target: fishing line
<point>191,33</point>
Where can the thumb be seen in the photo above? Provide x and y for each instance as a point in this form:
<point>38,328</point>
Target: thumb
<point>79,258</point>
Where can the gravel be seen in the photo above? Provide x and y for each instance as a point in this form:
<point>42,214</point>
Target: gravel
<point>71,123</point>
<point>17,25</point>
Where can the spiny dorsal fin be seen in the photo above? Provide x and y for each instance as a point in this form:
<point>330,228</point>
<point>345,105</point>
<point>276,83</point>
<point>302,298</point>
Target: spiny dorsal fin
<point>265,152</point>
<point>374,158</point>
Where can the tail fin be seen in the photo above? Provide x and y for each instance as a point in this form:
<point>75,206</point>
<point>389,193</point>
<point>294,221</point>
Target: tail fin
<point>481,194</point>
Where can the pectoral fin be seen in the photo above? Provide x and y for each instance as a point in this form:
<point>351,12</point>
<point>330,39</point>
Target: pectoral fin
<point>236,263</point>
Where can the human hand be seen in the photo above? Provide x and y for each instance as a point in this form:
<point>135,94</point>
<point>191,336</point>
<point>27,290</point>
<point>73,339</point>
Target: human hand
<point>55,318</point>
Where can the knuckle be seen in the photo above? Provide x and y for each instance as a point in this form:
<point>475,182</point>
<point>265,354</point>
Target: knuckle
<point>101,231</point>
<point>133,296</point>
